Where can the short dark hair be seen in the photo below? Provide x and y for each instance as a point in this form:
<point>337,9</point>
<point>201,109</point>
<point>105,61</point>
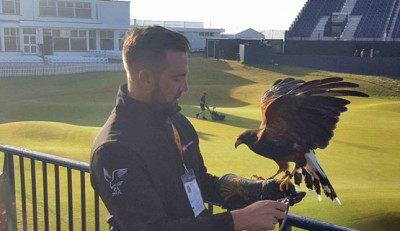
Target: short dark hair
<point>146,47</point>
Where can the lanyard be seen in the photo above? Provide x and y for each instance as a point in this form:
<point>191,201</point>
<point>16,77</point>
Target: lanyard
<point>178,142</point>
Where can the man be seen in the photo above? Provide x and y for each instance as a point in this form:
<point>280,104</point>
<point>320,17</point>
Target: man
<point>202,107</point>
<point>146,163</point>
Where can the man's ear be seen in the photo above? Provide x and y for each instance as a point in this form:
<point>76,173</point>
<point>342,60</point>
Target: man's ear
<point>146,79</point>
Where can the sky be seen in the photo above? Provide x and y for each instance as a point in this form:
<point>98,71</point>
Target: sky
<point>226,14</point>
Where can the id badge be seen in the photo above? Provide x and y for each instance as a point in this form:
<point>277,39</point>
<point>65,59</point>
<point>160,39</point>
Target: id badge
<point>193,192</point>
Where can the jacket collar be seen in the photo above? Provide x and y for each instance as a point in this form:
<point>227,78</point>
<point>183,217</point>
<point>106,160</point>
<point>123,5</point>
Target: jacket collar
<point>131,107</point>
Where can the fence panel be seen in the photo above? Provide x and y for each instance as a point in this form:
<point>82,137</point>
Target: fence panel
<point>40,69</point>
<point>89,203</point>
<point>35,193</point>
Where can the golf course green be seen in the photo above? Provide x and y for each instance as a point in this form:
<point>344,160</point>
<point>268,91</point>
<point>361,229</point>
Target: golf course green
<point>61,115</point>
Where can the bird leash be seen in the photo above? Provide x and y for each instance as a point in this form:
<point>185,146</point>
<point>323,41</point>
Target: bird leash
<point>283,222</point>
<point>289,200</point>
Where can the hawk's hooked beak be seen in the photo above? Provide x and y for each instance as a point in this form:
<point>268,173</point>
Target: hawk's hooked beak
<point>238,142</point>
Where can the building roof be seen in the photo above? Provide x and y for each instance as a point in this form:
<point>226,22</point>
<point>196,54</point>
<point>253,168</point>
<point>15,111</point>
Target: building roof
<point>176,25</point>
<point>243,33</point>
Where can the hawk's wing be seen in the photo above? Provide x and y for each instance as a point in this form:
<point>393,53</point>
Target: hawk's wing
<point>278,88</point>
<point>306,112</point>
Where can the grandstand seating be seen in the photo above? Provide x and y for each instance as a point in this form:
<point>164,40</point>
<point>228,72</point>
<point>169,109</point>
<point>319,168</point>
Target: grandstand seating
<point>392,17</point>
<point>376,20</point>
<point>311,14</point>
<point>375,15</point>
<point>396,28</point>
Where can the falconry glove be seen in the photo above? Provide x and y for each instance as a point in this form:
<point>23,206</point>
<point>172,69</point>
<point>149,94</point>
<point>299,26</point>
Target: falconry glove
<point>238,192</point>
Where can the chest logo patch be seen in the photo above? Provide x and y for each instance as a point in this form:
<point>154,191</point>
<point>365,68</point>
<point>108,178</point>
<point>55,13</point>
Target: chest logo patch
<point>114,180</point>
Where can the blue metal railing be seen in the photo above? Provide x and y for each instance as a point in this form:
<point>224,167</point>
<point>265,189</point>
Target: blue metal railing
<point>8,179</point>
<point>9,189</point>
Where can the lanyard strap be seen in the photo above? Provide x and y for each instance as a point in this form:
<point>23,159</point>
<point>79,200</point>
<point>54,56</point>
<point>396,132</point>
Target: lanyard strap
<point>177,139</point>
<point>178,142</point>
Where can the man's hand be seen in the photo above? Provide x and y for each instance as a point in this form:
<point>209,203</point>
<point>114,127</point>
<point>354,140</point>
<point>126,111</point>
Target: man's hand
<point>259,216</point>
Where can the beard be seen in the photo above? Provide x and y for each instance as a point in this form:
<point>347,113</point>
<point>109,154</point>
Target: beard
<point>176,98</point>
<point>158,97</point>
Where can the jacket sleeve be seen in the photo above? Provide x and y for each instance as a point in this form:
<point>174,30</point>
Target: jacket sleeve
<point>131,198</point>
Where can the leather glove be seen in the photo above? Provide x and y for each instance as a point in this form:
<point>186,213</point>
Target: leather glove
<point>238,192</point>
<point>271,191</point>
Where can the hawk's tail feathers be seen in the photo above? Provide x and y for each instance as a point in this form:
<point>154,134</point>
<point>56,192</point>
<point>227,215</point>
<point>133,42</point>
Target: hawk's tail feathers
<point>318,177</point>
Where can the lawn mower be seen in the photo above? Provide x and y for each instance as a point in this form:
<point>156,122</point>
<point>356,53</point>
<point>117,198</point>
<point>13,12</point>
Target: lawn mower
<point>214,114</point>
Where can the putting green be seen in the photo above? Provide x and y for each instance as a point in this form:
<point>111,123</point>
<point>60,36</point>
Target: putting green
<point>61,115</point>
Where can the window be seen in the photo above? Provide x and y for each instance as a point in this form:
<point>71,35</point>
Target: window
<point>92,40</point>
<point>47,8</point>
<point>107,40</point>
<point>11,6</point>
<point>47,32</point>
<point>78,40</point>
<point>206,34</point>
<point>61,40</point>
<point>65,9</point>
<point>121,40</point>
<point>29,40</point>
<point>11,39</point>
<point>58,8</point>
<point>82,10</point>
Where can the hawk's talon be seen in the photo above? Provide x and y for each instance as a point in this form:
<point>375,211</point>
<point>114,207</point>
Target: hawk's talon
<point>257,177</point>
<point>286,183</point>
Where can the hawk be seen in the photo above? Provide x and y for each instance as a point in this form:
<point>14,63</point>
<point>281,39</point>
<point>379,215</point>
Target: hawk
<point>297,118</point>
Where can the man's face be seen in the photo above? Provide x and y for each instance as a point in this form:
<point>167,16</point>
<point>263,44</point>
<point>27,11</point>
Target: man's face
<point>172,80</point>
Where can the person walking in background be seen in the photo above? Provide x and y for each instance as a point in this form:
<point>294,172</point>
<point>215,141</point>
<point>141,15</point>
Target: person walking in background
<point>202,111</point>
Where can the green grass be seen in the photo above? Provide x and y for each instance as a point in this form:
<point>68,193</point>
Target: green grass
<point>62,114</point>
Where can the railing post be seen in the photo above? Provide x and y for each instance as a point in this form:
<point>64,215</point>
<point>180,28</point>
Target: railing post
<point>286,227</point>
<point>7,192</point>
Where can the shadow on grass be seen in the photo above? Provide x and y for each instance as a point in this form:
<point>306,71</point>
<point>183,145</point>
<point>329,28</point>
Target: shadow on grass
<point>362,146</point>
<point>86,99</point>
<point>230,119</point>
<point>204,136</point>
<point>235,121</point>
<point>287,70</point>
<point>213,77</point>
<point>389,221</point>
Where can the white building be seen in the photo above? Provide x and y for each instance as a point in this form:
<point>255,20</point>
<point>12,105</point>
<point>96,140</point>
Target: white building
<point>238,33</point>
<point>73,27</point>
<point>193,31</point>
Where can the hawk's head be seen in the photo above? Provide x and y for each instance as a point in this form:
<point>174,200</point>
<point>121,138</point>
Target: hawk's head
<point>248,137</point>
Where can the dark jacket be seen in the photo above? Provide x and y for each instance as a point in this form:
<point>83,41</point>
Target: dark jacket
<point>202,102</point>
<point>136,168</point>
